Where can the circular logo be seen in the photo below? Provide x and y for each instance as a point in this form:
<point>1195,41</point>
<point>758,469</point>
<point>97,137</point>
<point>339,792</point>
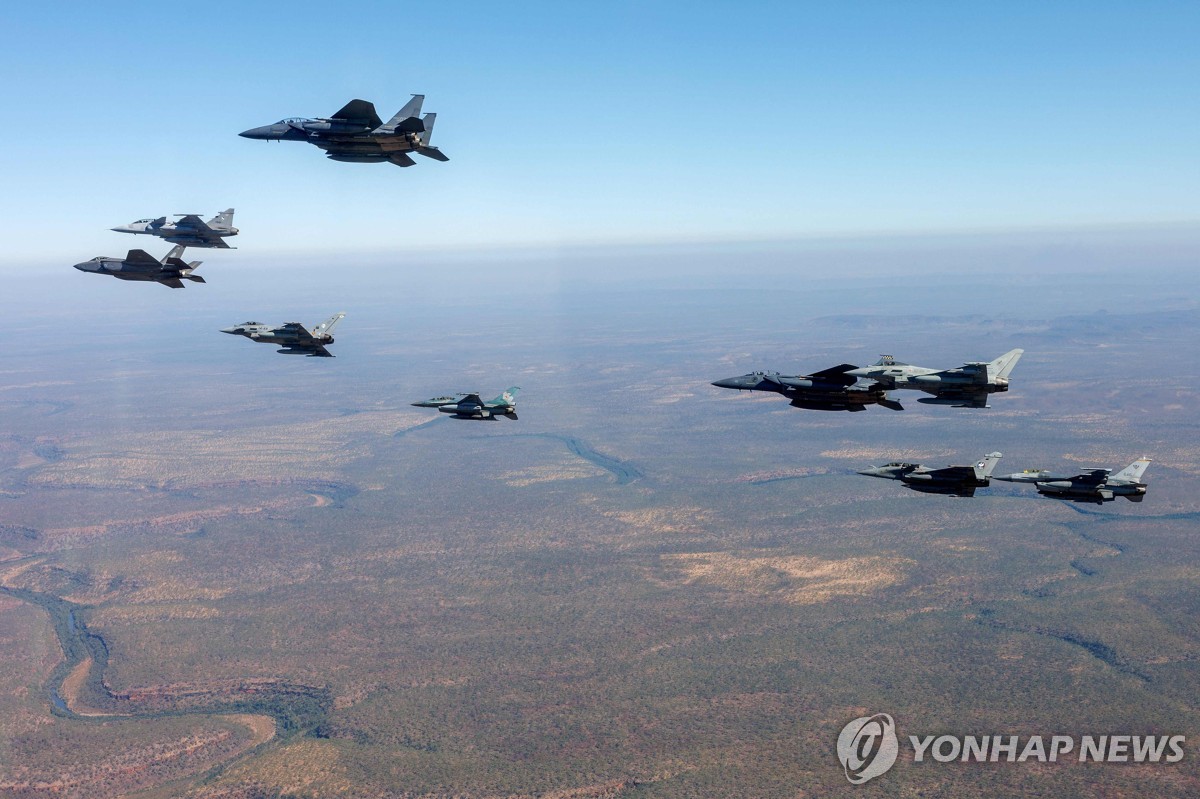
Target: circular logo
<point>868,747</point>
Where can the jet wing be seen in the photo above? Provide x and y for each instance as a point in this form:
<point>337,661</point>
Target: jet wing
<point>303,337</point>
<point>837,374</point>
<point>956,396</point>
<point>1094,477</point>
<point>955,473</point>
<point>174,283</point>
<point>319,351</point>
<point>192,227</point>
<point>142,261</point>
<point>359,111</point>
<point>191,223</point>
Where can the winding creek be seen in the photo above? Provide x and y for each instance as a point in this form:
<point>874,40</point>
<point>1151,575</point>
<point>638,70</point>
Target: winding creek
<point>292,709</point>
<point>624,471</point>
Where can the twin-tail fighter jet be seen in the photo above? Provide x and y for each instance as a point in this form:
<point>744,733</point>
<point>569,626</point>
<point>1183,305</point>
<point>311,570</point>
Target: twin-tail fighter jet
<point>356,133</point>
<point>965,387</point>
<point>295,338</point>
<point>958,481</point>
<point>470,406</point>
<point>831,389</point>
<point>187,229</point>
<point>1093,485</point>
<point>141,265</point>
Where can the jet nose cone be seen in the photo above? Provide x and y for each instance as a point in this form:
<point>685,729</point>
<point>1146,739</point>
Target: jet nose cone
<point>229,330</point>
<point>263,132</point>
<point>731,382</point>
<point>87,266</point>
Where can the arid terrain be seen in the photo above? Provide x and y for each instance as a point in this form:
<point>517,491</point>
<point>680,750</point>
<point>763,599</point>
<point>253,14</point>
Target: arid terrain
<point>230,574</point>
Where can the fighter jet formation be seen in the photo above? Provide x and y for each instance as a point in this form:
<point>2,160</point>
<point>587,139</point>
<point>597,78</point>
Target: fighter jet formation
<point>470,406</point>
<point>295,338</point>
<point>1093,485</point>
<point>188,230</point>
<point>140,265</point>
<point>958,481</point>
<point>355,133</point>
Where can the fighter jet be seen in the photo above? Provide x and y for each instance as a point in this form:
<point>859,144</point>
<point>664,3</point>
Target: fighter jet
<point>965,387</point>
<point>141,265</point>
<point>356,133</point>
<point>1093,485</point>
<point>470,406</point>
<point>187,229</point>
<point>959,481</point>
<point>832,389</point>
<point>295,337</point>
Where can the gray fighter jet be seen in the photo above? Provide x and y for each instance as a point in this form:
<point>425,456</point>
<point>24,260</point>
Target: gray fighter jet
<point>1093,485</point>
<point>959,481</point>
<point>965,387</point>
<point>357,134</point>
<point>470,406</point>
<point>187,229</point>
<point>832,389</point>
<point>141,265</point>
<point>295,337</point>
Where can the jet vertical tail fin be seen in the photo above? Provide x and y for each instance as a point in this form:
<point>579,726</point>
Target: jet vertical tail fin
<point>426,149</point>
<point>326,327</point>
<point>176,253</point>
<point>1133,472</point>
<point>508,397</point>
<point>983,469</point>
<point>1003,366</point>
<point>222,221</point>
<point>428,121</point>
<point>407,119</point>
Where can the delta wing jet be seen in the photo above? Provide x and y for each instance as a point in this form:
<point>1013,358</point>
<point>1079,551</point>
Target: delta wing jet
<point>959,481</point>
<point>1093,485</point>
<point>965,387</point>
<point>833,389</point>
<point>187,229</point>
<point>356,133</point>
<point>295,338</point>
<point>470,406</point>
<point>171,271</point>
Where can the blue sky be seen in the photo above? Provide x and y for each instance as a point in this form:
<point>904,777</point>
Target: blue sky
<point>572,123</point>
